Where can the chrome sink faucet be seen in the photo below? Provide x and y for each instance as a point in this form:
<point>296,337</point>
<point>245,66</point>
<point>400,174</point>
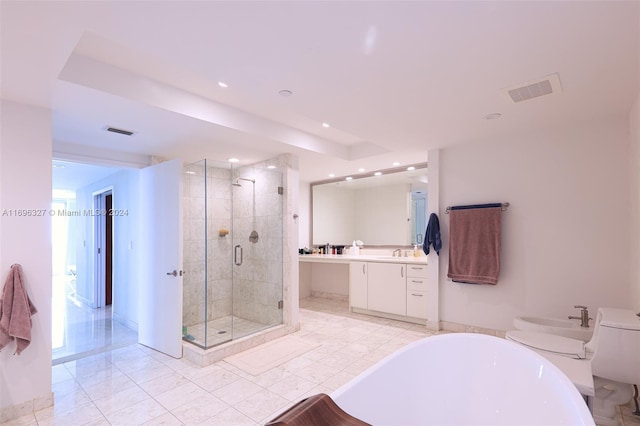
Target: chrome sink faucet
<point>398,251</point>
<point>584,316</point>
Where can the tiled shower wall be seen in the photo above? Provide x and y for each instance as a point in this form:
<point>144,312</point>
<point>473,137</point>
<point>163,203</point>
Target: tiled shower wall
<point>257,287</point>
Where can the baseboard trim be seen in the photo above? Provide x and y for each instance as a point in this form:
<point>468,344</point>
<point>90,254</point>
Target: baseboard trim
<point>13,412</point>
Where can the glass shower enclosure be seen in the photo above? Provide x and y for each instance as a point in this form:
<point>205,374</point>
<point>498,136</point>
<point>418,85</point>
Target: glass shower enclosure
<point>233,251</point>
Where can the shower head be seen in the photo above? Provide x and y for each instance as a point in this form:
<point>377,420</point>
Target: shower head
<point>237,182</point>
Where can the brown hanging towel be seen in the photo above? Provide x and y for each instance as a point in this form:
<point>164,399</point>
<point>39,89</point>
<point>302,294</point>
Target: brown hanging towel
<point>474,243</point>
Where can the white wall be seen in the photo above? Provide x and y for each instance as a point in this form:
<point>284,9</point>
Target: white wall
<point>125,190</point>
<point>634,210</point>
<point>565,237</point>
<point>25,178</point>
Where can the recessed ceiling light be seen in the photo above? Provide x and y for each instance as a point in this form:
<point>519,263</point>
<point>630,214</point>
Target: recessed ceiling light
<point>348,178</point>
<point>222,84</point>
<point>396,163</point>
<point>285,93</point>
<point>377,173</point>
<point>411,168</point>
<point>233,160</point>
<point>332,175</point>
<point>361,169</point>
<point>493,116</point>
<point>325,125</point>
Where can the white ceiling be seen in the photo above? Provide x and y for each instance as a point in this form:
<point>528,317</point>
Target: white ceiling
<point>393,79</point>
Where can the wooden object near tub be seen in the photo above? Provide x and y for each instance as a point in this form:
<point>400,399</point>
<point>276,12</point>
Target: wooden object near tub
<point>317,410</point>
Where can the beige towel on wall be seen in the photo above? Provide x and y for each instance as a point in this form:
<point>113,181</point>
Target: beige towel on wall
<point>474,245</point>
<point>15,311</point>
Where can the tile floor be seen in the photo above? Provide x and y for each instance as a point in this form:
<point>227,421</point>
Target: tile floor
<point>135,385</point>
<point>78,331</point>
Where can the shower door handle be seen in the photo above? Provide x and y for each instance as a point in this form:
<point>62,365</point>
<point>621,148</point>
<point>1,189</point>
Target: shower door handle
<point>235,255</point>
<point>175,273</point>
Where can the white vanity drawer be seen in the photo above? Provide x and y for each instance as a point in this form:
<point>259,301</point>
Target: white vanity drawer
<point>419,271</point>
<point>418,284</point>
<point>417,304</point>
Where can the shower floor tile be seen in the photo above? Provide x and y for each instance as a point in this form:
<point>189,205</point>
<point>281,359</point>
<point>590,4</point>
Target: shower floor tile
<point>222,330</point>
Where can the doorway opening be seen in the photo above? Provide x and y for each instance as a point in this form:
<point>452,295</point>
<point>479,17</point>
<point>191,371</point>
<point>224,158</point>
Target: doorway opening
<point>84,239</point>
<point>103,246</point>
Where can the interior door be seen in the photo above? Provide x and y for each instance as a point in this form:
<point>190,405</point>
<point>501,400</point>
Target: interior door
<point>160,305</point>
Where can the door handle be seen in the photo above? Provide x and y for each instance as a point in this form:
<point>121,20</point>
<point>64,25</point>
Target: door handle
<point>235,255</point>
<point>175,273</point>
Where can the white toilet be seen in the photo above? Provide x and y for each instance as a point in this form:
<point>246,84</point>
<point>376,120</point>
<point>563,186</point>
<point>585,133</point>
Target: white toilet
<point>613,351</point>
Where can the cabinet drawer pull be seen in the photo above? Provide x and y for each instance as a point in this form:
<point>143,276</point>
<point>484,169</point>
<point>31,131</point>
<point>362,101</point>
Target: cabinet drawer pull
<point>417,281</point>
<point>417,268</point>
<point>419,295</point>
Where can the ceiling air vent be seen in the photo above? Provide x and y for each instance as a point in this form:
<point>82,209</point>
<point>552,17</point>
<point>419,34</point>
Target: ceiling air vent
<point>119,131</point>
<point>548,85</point>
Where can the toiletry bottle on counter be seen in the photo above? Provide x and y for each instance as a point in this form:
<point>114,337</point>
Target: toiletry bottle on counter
<point>355,250</point>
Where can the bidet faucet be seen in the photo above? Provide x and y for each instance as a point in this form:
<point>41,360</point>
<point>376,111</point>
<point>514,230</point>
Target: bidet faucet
<point>399,251</point>
<point>584,316</point>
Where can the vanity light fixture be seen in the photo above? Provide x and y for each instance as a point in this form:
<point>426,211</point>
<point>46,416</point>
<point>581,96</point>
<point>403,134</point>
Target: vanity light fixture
<point>396,164</point>
<point>361,169</point>
<point>325,125</point>
<point>411,168</point>
<point>348,178</point>
<point>222,84</point>
<point>377,173</point>
<point>332,175</point>
<point>271,166</point>
<point>233,160</point>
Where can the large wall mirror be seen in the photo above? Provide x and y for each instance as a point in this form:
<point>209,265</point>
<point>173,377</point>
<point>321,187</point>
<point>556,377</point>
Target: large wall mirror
<point>385,210</point>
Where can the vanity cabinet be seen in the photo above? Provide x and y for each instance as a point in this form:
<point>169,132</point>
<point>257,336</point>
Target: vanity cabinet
<point>387,288</point>
<point>393,288</point>
<point>358,285</point>
<point>417,291</point>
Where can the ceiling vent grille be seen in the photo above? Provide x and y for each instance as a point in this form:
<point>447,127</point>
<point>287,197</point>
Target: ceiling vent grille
<point>119,131</point>
<point>544,86</point>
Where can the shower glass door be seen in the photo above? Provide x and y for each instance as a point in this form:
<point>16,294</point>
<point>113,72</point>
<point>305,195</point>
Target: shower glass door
<point>257,249</point>
<point>233,230</point>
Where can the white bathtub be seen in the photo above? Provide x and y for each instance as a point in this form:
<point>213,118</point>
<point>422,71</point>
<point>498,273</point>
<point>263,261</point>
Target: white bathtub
<point>463,379</point>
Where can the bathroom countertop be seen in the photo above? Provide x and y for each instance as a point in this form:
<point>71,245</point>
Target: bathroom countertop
<point>346,258</point>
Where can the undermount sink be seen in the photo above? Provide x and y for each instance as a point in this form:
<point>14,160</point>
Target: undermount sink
<point>558,326</point>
